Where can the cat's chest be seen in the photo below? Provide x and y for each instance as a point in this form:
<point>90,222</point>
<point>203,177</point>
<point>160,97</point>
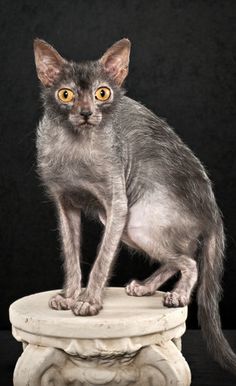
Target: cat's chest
<point>71,164</point>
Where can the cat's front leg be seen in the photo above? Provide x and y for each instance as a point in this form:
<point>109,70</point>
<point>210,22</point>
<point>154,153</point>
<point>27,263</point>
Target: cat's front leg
<point>70,224</point>
<point>90,301</point>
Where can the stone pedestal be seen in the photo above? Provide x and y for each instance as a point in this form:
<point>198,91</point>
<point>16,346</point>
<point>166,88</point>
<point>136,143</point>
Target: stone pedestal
<point>132,341</point>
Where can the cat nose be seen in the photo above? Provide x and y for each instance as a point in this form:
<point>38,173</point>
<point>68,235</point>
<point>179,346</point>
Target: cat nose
<point>85,113</point>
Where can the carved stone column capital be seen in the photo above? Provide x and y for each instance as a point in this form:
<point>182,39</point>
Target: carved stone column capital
<point>133,341</point>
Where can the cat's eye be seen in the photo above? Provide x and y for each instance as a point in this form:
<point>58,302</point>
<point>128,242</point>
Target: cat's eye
<point>103,94</point>
<point>65,95</point>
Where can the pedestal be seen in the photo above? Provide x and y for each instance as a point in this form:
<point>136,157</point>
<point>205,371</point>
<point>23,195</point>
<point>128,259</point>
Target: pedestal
<point>132,341</point>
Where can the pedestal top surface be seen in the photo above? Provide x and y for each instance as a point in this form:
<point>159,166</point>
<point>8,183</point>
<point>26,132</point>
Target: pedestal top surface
<point>122,315</point>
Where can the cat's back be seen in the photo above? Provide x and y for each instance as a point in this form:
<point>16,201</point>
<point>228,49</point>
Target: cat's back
<point>150,139</point>
<point>156,156</point>
<point>136,120</point>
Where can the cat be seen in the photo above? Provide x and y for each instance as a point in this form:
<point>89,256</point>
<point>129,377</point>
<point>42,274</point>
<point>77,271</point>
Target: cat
<point>101,152</point>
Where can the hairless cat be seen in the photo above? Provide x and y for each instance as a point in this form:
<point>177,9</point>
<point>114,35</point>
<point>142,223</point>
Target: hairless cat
<point>106,154</point>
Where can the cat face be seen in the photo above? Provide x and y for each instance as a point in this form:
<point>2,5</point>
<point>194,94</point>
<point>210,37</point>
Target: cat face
<point>81,94</point>
<point>86,105</point>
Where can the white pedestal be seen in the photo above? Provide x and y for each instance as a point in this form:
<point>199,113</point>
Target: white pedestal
<point>132,341</point>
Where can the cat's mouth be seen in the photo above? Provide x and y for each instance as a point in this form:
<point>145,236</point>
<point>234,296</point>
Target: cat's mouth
<point>84,123</point>
<point>87,123</point>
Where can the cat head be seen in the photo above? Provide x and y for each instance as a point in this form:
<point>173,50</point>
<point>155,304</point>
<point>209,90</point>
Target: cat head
<point>81,94</point>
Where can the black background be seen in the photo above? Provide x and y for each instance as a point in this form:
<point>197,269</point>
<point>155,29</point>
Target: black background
<point>183,67</point>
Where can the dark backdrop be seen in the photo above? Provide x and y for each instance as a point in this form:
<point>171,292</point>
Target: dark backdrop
<point>182,67</point>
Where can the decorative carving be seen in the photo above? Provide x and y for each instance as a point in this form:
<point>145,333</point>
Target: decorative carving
<point>154,365</point>
<point>34,362</point>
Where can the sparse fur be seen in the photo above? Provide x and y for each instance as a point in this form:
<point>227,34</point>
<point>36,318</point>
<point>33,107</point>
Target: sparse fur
<point>127,167</point>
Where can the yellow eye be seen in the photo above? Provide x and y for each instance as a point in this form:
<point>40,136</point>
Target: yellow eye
<point>103,93</point>
<point>65,95</point>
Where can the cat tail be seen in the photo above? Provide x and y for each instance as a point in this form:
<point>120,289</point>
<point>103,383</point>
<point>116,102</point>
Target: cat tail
<point>208,297</point>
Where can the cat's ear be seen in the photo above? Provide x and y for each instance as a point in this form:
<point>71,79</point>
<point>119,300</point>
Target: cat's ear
<point>116,60</point>
<point>48,62</point>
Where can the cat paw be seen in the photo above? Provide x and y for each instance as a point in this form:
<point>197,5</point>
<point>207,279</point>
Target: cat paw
<point>59,302</point>
<point>136,289</point>
<point>174,299</point>
<point>84,306</point>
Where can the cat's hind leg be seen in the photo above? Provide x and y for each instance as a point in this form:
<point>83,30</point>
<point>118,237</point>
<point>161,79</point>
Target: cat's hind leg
<point>152,283</point>
<point>181,293</point>
<point>169,237</point>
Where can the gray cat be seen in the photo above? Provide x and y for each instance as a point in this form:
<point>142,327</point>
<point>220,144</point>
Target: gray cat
<point>106,154</point>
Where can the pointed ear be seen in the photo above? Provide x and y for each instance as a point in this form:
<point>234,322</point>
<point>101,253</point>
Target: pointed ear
<point>116,60</point>
<point>48,62</point>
